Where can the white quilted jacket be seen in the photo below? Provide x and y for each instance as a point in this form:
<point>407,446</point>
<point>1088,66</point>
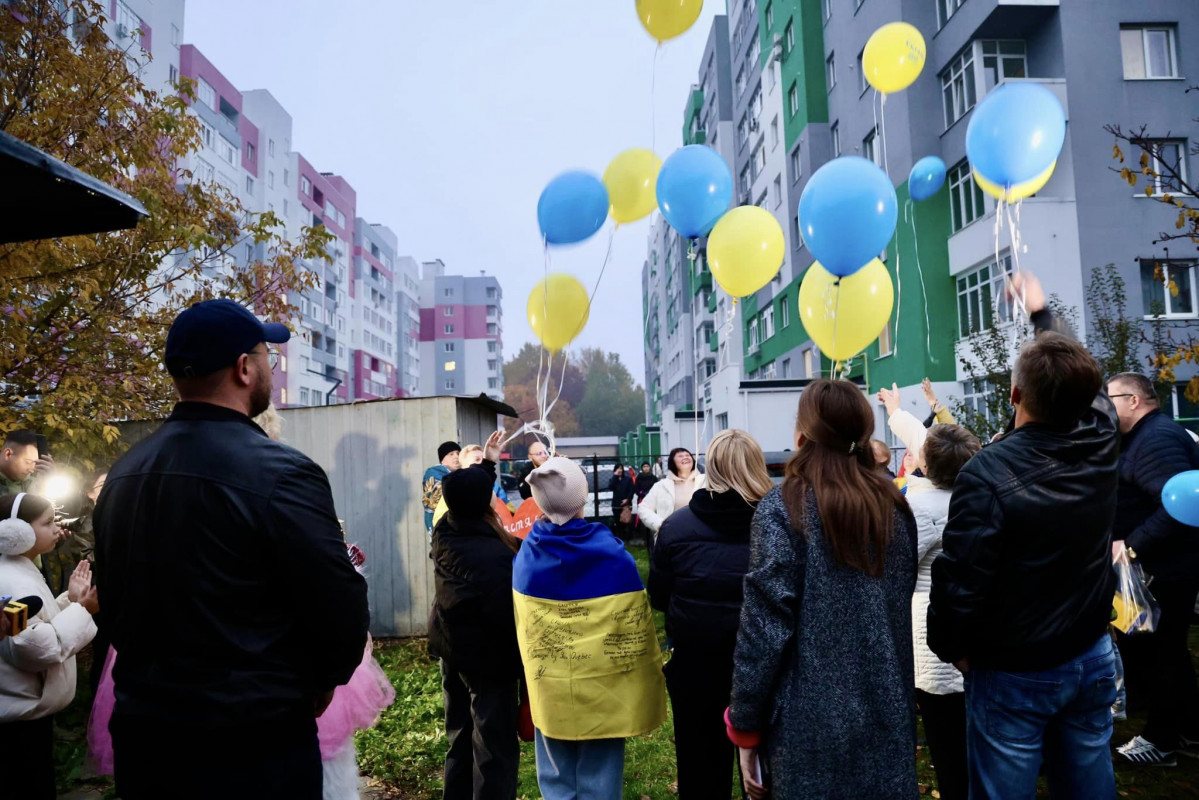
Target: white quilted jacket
<point>931,509</point>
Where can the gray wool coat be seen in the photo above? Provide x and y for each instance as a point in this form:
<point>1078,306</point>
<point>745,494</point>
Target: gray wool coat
<point>823,667</point>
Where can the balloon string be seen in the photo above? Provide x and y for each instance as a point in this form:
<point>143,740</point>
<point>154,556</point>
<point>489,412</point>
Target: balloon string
<point>882,123</point>
<point>653,101</point>
<point>603,266</point>
<point>909,214</point>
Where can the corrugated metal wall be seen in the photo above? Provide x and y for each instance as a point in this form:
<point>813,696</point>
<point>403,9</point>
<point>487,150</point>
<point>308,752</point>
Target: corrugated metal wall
<point>375,455</point>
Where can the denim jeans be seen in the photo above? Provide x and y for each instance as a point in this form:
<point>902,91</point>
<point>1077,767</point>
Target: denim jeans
<point>1014,720</point>
<point>588,770</point>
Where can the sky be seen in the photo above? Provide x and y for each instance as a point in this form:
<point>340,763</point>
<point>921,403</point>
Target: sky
<point>448,119</point>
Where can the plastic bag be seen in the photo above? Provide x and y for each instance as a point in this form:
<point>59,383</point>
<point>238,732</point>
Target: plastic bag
<point>1135,609</point>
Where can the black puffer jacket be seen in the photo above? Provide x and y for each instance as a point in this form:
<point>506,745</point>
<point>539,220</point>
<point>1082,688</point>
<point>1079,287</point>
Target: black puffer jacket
<point>698,569</point>
<point>1025,581</point>
<point>472,625</point>
<point>1155,450</point>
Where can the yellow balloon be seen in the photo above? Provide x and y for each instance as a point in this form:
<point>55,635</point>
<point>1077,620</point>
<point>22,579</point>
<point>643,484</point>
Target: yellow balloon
<point>557,310</point>
<point>666,19</point>
<point>893,57</point>
<point>745,250</point>
<point>632,180</point>
<point>1018,191</point>
<point>844,315</point>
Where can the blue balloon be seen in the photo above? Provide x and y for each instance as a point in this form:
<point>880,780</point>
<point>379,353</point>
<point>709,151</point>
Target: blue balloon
<point>1015,133</point>
<point>695,188</point>
<point>926,178</point>
<point>572,207</point>
<point>1180,496</point>
<point>847,214</point>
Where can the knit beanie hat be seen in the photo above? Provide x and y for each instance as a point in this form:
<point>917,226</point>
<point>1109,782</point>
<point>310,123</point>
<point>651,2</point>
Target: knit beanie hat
<point>560,489</point>
<point>467,492</point>
<point>445,449</point>
<point>16,535</point>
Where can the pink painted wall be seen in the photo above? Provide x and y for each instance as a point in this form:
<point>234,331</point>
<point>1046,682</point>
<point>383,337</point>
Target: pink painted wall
<point>249,135</point>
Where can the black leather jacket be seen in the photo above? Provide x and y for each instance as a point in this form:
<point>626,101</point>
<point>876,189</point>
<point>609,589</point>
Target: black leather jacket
<point>1025,581</point>
<point>224,578</point>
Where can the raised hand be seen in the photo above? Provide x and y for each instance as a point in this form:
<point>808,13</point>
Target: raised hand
<point>80,581</point>
<point>890,398</point>
<point>1026,285</point>
<point>926,386</point>
<point>491,450</point>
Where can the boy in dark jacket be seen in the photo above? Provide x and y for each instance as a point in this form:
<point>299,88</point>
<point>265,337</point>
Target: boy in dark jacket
<point>1022,594</point>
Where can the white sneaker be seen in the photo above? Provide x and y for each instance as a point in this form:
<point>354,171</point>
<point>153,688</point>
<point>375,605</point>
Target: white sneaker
<point>1143,751</point>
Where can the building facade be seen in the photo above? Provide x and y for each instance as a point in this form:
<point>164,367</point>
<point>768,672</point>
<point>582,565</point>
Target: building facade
<point>461,333</point>
<point>1106,61</point>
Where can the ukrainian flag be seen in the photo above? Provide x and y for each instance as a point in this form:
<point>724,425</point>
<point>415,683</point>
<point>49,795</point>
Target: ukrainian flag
<point>587,639</point>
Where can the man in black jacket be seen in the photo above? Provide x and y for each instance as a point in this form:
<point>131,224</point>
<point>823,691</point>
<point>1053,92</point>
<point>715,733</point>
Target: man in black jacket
<point>1022,594</point>
<point>228,592</point>
<point>538,455</point>
<point>1154,448</point>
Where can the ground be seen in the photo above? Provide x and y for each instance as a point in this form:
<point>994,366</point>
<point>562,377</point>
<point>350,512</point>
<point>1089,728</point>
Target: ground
<point>402,756</point>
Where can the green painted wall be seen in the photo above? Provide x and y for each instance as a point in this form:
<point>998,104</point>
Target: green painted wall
<point>802,66</point>
<point>694,106</point>
<point>784,339</point>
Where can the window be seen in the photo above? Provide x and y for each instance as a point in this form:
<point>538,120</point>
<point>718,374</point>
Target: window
<point>287,177</point>
<point>974,396</point>
<point>492,329</point>
<point>1002,60</point>
<point>493,383</point>
<point>270,147</point>
<point>175,35</point>
<point>249,185</point>
<point>251,152</point>
<point>743,130</point>
<point>449,384</point>
<point>1148,52</point>
<point>762,200</point>
<point>863,84</point>
<point>796,170</point>
<point>946,9</point>
<point>830,71</point>
<point>870,148</point>
<point>449,328</point>
<point>760,160</point>
<point>785,371</point>
<point>448,311</point>
<point>303,396</point>
<point>447,292</point>
<point>745,180</point>
<point>491,292</point>
<point>778,190</point>
<point>884,340</point>
<point>793,99</point>
<point>740,81</point>
<point>1175,299</point>
<point>977,292</point>
<point>965,198</point>
<point>768,322</point>
<point>493,311</point>
<point>305,186</point>
<point>828,9</point>
<point>227,151</point>
<point>957,87</point>
<point>283,396</point>
<point>174,75</point>
<point>491,347</point>
<point>835,131</point>
<point>784,312</point>
<point>1167,162</point>
<point>450,366</point>
<point>270,180</point>
<point>769,15</point>
<point>491,364</point>
<point>789,38</point>
<point>205,93</point>
<point>286,208</point>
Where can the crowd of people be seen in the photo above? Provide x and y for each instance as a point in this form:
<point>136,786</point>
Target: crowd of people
<point>808,623</point>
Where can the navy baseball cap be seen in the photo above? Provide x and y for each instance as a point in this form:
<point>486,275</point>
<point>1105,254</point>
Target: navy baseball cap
<point>213,334</point>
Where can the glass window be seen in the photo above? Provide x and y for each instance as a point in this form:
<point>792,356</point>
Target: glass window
<point>743,130</point>
<point>789,38</point>
<point>977,293</point>
<point>957,87</point>
<point>1002,60</point>
<point>769,15</point>
<point>305,185</point>
<point>784,312</point>
<point>205,93</point>
<point>1168,288</point>
<point>835,131</point>
<point>830,71</point>
<point>796,166</point>
<point>793,99</point>
<point>449,328</point>
<point>871,149</point>
<point>1167,162</point>
<point>740,80</point>
<point>884,339</point>
<point>828,9</point>
<point>778,190</point>
<point>768,322</point>
<point>946,9</point>
<point>863,84</point>
<point>249,185</point>
<point>1148,51</point>
<point>966,202</point>
<point>974,396</point>
<point>774,133</point>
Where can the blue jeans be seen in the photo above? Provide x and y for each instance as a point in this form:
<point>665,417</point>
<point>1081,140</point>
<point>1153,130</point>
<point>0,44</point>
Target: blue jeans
<point>1063,715</point>
<point>588,770</point>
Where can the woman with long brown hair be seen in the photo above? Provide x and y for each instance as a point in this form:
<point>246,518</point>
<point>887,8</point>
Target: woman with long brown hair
<point>472,629</point>
<point>822,701</point>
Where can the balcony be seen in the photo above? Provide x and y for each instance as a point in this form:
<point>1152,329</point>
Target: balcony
<point>702,281</point>
<point>714,342</point>
<point>712,303</point>
<point>752,349</point>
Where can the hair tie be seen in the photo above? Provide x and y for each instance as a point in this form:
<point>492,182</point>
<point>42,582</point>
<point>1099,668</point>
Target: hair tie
<point>852,447</point>
<point>16,506</point>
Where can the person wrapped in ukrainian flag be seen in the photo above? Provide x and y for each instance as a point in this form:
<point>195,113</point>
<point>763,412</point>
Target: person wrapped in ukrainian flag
<point>591,656</point>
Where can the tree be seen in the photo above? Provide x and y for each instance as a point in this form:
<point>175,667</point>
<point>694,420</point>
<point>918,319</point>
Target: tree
<point>85,317</point>
<point>523,398</point>
<point>1115,337</point>
<point>612,405</point>
<point>525,365</point>
<point>1162,177</point>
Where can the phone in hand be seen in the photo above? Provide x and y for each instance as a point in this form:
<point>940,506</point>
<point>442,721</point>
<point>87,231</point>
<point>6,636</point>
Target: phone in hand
<point>43,445</point>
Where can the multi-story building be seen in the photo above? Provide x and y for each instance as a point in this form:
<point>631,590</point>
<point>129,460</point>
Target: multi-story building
<point>153,28</point>
<point>407,285</point>
<point>461,333</point>
<point>373,313</point>
<point>943,256</point>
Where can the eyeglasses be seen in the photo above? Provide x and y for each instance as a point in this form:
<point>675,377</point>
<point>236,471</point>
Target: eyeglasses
<point>1114,396</point>
<point>272,356</point>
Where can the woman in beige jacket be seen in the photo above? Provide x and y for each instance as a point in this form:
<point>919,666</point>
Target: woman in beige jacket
<point>673,491</point>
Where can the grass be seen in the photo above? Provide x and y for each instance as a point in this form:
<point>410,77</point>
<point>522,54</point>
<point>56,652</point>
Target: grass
<point>402,756</point>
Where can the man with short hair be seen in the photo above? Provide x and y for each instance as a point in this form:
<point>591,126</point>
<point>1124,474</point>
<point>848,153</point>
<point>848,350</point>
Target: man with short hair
<point>1155,448</point>
<point>228,591</point>
<point>447,462</point>
<point>20,462</point>
<point>538,455</point>
<point>1022,594</point>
